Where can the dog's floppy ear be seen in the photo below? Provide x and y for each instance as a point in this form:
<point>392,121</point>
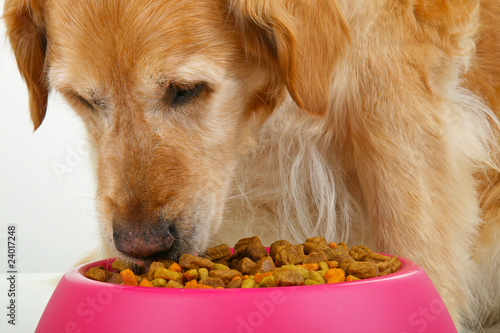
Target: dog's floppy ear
<point>26,31</point>
<point>300,38</point>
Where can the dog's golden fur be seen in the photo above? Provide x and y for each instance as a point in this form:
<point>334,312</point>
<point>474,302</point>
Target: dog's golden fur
<point>368,120</point>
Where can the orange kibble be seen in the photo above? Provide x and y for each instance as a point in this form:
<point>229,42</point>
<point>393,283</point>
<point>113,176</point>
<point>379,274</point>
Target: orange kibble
<point>310,267</point>
<point>332,245</point>
<point>193,284</point>
<point>202,286</point>
<point>128,277</point>
<point>331,272</point>
<point>145,283</point>
<point>175,267</point>
<point>245,277</point>
<point>334,275</point>
<point>236,278</point>
<point>352,278</point>
<point>259,276</point>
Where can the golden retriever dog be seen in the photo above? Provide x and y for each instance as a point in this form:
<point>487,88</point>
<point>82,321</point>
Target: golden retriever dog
<point>367,121</point>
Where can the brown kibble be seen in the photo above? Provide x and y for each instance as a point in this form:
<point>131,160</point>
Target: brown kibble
<point>290,255</point>
<point>315,257</point>
<point>115,279</point>
<point>233,263</point>
<point>344,263</point>
<point>264,265</point>
<point>287,277</point>
<point>314,262</point>
<point>318,248</point>
<point>235,283</point>
<point>225,275</point>
<point>312,248</point>
<point>222,262</point>
<point>363,270</point>
<point>360,253</point>
<point>99,274</point>
<point>245,265</point>
<point>120,265</point>
<point>317,240</point>
<point>188,261</point>
<point>376,257</point>
<point>241,245</point>
<point>395,263</point>
<point>217,252</point>
<point>339,251</point>
<point>383,265</point>
<point>174,284</point>
<point>273,250</point>
<point>255,251</point>
<point>212,282</point>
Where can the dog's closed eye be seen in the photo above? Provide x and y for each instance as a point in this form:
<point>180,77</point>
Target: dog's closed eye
<point>178,94</point>
<point>93,103</point>
<point>84,102</point>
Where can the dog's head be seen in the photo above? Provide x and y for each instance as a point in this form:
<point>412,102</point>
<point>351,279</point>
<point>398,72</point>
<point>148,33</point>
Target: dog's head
<point>171,93</point>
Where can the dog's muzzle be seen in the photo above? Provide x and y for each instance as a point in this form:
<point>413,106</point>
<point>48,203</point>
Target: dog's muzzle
<point>143,241</point>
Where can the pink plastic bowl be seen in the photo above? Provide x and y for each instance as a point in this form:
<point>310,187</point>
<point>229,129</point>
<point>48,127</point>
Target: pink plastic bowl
<point>405,301</point>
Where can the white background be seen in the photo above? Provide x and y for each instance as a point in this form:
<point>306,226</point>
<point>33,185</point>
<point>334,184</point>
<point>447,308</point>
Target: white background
<point>47,189</point>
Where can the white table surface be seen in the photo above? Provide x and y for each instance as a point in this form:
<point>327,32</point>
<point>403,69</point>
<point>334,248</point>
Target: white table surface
<point>33,291</point>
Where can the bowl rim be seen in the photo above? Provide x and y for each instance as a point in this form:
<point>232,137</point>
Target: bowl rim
<point>77,276</point>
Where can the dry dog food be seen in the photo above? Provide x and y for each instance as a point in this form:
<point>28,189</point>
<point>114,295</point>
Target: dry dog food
<point>250,266</point>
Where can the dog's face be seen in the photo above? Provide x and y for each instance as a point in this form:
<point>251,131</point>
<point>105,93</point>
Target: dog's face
<point>170,92</point>
<point>160,87</point>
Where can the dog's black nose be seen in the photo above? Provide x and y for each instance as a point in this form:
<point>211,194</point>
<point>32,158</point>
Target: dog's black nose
<point>142,241</point>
